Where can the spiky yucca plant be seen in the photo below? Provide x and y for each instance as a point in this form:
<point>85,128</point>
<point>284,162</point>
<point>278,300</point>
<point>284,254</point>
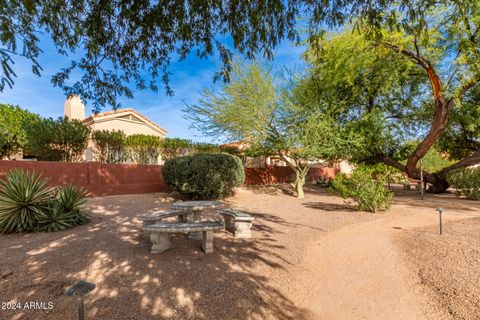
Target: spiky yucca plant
<point>71,198</point>
<point>63,210</point>
<point>55,218</point>
<point>23,198</point>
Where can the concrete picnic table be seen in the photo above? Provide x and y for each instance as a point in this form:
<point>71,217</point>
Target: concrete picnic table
<point>197,208</point>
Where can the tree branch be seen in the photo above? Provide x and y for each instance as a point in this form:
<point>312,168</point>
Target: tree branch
<point>409,54</point>
<point>466,162</point>
<point>393,163</point>
<point>466,86</point>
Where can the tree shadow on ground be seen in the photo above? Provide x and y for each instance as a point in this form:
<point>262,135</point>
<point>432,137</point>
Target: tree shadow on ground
<point>274,189</point>
<point>330,206</point>
<point>182,283</point>
<point>448,201</point>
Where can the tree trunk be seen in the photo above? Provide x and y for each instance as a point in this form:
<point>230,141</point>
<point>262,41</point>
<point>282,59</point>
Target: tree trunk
<point>438,183</point>
<point>300,175</point>
<point>299,190</point>
<point>439,122</point>
<point>441,106</point>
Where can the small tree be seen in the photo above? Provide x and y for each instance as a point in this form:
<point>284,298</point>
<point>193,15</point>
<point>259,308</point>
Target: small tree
<point>12,132</point>
<point>110,146</point>
<point>57,139</point>
<point>144,149</point>
<point>254,108</point>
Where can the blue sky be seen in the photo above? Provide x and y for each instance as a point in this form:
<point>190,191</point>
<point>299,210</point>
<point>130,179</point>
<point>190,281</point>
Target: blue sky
<point>188,78</point>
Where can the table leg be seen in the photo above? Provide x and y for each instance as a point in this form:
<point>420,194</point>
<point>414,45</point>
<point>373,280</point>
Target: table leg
<point>197,215</point>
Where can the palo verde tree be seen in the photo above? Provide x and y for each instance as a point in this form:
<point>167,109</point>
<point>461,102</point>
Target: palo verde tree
<point>405,84</point>
<point>118,45</point>
<point>255,109</point>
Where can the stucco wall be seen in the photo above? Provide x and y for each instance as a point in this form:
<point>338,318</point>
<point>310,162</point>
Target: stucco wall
<point>128,127</point>
<point>112,179</point>
<point>99,179</point>
<point>281,174</point>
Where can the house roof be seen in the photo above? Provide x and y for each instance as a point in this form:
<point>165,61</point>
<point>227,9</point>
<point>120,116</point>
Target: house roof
<point>105,116</point>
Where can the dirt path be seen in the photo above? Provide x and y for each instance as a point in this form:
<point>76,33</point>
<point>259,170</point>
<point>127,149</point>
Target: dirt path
<point>360,273</point>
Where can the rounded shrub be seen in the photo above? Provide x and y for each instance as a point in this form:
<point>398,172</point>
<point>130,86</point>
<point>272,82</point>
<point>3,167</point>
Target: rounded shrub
<point>367,189</point>
<point>204,176</point>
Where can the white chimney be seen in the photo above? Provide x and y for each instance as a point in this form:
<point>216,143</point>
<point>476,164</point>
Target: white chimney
<point>74,108</point>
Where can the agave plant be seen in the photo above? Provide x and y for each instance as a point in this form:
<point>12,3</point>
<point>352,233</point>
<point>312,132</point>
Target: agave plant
<point>55,218</point>
<point>71,198</point>
<point>23,198</point>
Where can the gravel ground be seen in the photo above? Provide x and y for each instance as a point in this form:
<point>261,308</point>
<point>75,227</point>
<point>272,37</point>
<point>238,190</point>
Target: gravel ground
<point>254,278</point>
<point>300,250</point>
<point>448,264</point>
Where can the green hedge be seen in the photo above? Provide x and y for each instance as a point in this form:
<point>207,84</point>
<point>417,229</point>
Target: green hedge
<point>204,176</point>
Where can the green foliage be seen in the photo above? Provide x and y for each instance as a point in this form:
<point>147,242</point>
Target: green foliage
<point>271,117</point>
<point>23,198</point>
<point>466,181</point>
<point>204,176</point>
<point>55,218</point>
<point>12,132</point>
<point>363,86</point>
<point>110,146</point>
<point>231,150</point>
<point>57,139</point>
<point>144,149</point>
<point>371,194</point>
<point>174,147</point>
<point>27,204</point>
<point>161,32</point>
<point>435,161</point>
<point>63,210</point>
<point>462,135</point>
<point>71,198</point>
<point>389,174</point>
<point>242,110</point>
<point>203,147</point>
<point>404,85</point>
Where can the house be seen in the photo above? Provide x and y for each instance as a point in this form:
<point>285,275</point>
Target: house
<point>127,120</point>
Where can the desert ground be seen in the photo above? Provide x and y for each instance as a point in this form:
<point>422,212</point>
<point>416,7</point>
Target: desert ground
<point>311,258</point>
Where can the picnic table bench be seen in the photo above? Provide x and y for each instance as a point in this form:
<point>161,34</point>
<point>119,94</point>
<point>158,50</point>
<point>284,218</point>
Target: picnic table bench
<point>238,222</point>
<point>412,182</point>
<point>157,217</point>
<point>160,233</point>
